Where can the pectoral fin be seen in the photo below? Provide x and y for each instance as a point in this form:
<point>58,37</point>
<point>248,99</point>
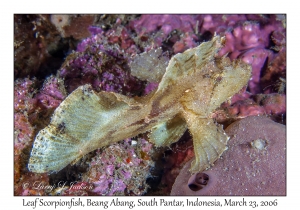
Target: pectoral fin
<point>166,133</point>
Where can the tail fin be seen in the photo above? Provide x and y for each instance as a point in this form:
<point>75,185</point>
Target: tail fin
<point>209,139</point>
<point>52,151</point>
<point>79,125</point>
<point>209,147</point>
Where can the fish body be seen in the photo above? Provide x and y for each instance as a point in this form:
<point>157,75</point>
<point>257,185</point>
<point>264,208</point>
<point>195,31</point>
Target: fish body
<point>194,85</point>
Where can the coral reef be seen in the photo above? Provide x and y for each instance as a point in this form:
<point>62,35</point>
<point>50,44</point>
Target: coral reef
<point>29,110</point>
<point>24,90</point>
<point>166,23</point>
<point>41,42</point>
<point>250,42</point>
<point>52,58</point>
<point>156,30</point>
<point>121,169</point>
<point>254,163</point>
<point>220,23</point>
<point>24,132</point>
<point>275,72</point>
<point>52,93</point>
<point>24,104</point>
<point>101,64</point>
<point>273,105</point>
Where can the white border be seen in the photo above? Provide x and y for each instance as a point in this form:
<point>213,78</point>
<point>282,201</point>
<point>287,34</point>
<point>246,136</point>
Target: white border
<point>8,8</point>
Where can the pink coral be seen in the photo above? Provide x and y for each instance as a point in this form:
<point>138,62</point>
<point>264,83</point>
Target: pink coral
<point>52,93</point>
<point>244,108</point>
<point>121,169</point>
<point>249,42</point>
<point>244,105</point>
<point>24,104</point>
<point>261,104</point>
<point>28,111</point>
<point>187,41</point>
<point>24,90</point>
<point>257,59</point>
<point>166,23</point>
<point>24,132</point>
<point>120,36</point>
<point>247,36</point>
<point>157,30</point>
<point>273,104</point>
<point>220,23</point>
<point>101,64</point>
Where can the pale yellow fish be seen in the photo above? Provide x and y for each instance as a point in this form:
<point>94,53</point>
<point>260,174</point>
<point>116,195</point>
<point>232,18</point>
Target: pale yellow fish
<point>194,85</point>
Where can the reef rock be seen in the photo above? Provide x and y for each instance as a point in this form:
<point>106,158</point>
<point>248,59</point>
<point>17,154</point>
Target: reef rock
<point>254,164</point>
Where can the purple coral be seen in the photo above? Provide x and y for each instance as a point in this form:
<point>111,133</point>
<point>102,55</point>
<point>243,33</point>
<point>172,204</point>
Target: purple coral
<point>24,106</point>
<point>166,23</point>
<point>30,106</point>
<point>187,41</point>
<point>52,93</point>
<point>156,30</point>
<point>121,169</point>
<point>220,23</point>
<point>101,64</point>
<point>24,90</point>
<point>249,42</point>
<point>242,106</point>
<point>245,37</point>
